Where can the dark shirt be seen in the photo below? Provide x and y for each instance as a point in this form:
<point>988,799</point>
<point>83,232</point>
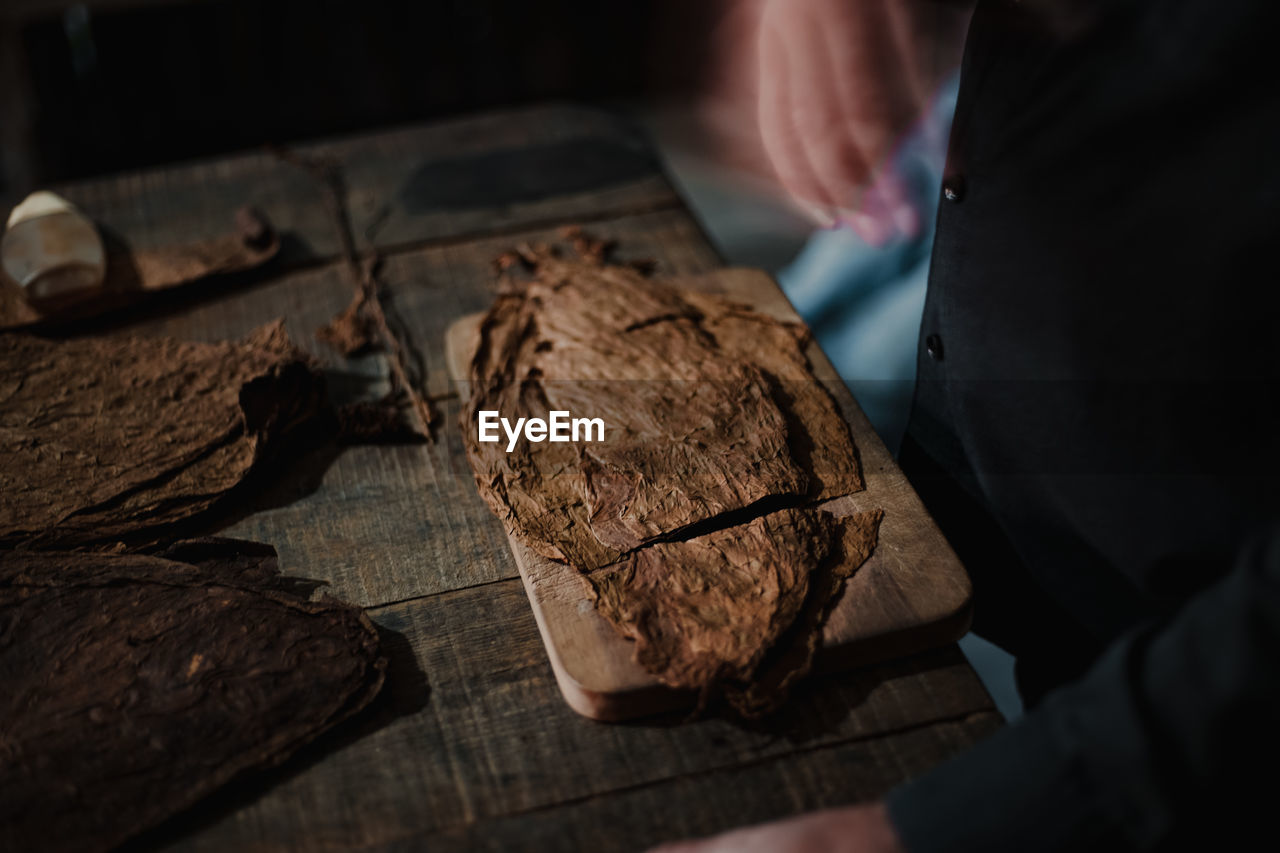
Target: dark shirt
<point>1095,421</point>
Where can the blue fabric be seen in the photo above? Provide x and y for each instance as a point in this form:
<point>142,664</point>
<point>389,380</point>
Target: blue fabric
<point>864,303</point>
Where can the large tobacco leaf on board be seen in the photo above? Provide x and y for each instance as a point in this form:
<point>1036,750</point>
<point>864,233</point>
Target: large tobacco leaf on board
<point>134,685</point>
<point>115,439</point>
<point>695,520</point>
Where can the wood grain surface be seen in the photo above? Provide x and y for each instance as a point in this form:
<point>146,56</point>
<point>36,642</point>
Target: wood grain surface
<point>470,745</point>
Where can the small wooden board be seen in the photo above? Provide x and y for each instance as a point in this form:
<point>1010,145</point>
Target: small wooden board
<point>912,593</point>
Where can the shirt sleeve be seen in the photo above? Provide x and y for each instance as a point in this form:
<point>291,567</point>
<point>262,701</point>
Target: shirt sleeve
<point>1173,731</point>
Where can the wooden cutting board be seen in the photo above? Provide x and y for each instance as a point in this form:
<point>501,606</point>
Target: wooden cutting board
<point>912,593</point>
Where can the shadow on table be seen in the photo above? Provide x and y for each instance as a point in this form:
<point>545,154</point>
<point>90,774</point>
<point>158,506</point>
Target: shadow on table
<point>294,466</point>
<point>821,703</point>
<point>136,308</point>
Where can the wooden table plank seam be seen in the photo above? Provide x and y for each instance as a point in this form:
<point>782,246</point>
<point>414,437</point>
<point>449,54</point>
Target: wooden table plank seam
<point>979,719</point>
<point>374,608</point>
<point>516,229</point>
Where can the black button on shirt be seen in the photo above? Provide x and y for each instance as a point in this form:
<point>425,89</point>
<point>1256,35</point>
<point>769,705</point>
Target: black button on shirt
<point>953,188</point>
<point>1105,421</point>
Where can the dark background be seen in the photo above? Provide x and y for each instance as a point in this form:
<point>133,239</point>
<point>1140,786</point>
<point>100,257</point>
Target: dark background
<point>103,86</point>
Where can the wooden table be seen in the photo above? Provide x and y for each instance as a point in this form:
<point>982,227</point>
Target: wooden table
<point>470,745</point>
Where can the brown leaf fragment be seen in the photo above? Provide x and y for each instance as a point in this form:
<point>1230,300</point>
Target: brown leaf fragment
<point>706,609</point>
<point>791,656</point>
<point>741,608</point>
<point>363,324</point>
<point>589,248</point>
<point>116,439</point>
<point>353,331</point>
<point>681,453</point>
<point>506,261</point>
<point>818,433</point>
<point>131,273</point>
<point>251,243</point>
<point>136,685</point>
<point>254,229</point>
<point>691,518</point>
<point>374,422</point>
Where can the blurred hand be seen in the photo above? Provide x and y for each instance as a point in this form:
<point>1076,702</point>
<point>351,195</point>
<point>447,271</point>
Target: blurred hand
<point>857,829</point>
<point>839,82</point>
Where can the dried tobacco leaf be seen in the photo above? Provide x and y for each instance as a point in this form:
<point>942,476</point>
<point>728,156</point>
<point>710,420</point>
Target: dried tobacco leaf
<point>363,324</point>
<point>136,685</point>
<point>738,607</point>
<point>689,520</point>
<point>791,656</point>
<point>682,602</point>
<point>114,439</point>
<point>353,331</point>
<point>251,244</point>
<point>134,272</point>
<point>698,428</point>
